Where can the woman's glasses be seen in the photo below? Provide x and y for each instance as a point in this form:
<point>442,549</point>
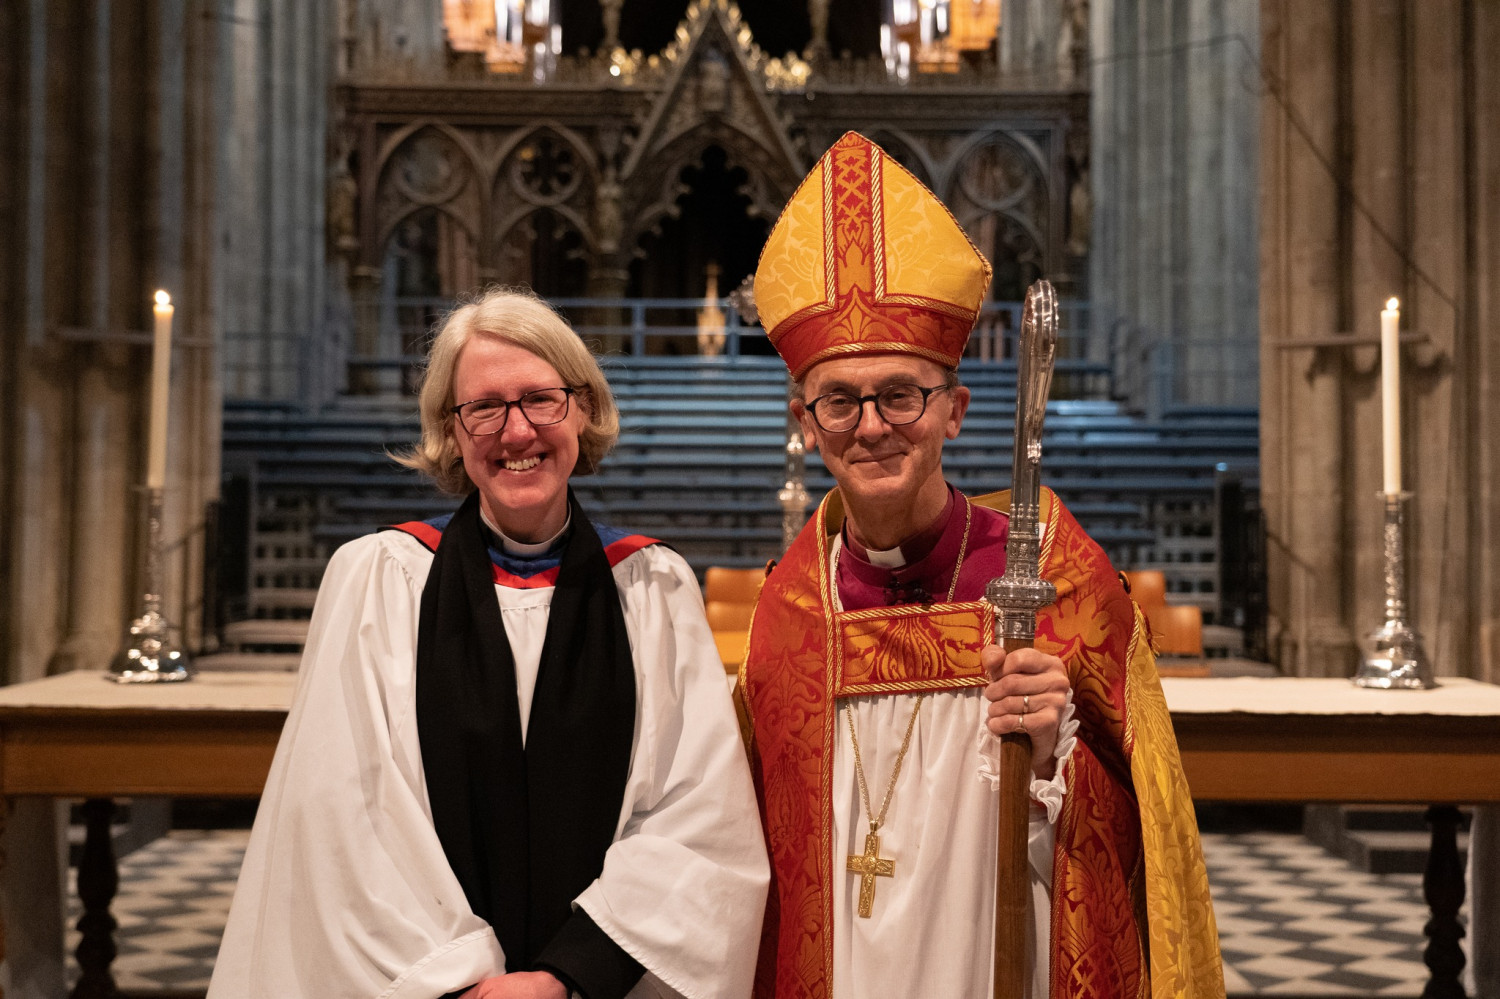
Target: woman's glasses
<point>542,408</point>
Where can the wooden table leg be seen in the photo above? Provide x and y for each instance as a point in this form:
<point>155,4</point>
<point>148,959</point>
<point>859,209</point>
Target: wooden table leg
<point>1443,887</point>
<point>4,814</point>
<point>98,880</point>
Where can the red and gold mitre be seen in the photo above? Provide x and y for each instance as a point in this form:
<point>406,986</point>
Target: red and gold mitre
<point>866,260</point>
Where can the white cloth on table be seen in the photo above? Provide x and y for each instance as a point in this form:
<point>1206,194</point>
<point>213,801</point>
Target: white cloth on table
<point>345,889</point>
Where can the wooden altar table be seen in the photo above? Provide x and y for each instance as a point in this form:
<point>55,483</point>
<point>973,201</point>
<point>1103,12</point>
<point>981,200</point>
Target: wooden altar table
<point>1277,739</point>
<point>1302,739</point>
<point>1305,740</point>
<point>78,735</point>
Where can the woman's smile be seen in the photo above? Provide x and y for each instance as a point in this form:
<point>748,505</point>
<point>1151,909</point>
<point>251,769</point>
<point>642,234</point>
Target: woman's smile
<point>521,470</point>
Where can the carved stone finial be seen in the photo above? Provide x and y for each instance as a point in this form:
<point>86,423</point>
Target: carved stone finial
<point>1073,42</point>
<point>611,11</point>
<point>817,13</point>
<point>609,221</point>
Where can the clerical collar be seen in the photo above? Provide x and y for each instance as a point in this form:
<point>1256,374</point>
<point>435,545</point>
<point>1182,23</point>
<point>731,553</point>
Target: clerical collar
<point>932,559</point>
<point>520,549</point>
<point>910,550</point>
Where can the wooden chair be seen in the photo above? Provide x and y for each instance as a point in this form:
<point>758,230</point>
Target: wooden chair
<point>731,648</point>
<point>1177,629</point>
<point>729,597</point>
<point>1148,587</point>
<point>724,615</point>
<point>735,586</point>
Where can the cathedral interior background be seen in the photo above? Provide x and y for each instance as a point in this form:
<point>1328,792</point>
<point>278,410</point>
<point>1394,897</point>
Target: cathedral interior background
<point>1225,193</point>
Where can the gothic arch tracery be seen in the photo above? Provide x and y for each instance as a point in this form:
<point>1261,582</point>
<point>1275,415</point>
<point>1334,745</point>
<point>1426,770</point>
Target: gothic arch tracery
<point>1001,191</point>
<point>905,149</point>
<point>527,178</point>
<point>427,202</point>
<point>658,200</point>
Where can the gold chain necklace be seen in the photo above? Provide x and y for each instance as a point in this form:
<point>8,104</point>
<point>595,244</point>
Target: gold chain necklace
<point>963,548</point>
<point>870,865</point>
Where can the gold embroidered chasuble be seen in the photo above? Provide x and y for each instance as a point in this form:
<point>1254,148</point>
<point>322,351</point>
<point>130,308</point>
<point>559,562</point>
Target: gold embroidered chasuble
<point>1131,914</point>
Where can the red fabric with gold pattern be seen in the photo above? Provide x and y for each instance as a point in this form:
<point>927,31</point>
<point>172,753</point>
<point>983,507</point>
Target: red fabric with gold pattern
<point>1096,930</point>
<point>792,675</point>
<point>792,762</point>
<point>1098,940</point>
<point>910,648</point>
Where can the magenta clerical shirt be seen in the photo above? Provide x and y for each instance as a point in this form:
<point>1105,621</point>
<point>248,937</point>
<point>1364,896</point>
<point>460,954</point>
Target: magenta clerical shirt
<point>920,569</point>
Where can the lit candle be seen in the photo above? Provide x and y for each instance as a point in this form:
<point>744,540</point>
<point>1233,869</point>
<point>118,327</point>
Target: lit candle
<point>1390,393</point>
<point>161,373</point>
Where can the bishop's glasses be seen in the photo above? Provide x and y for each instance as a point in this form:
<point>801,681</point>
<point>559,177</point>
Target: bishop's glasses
<point>897,405</point>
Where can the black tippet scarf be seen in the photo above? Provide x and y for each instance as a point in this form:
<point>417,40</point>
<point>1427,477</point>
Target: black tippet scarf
<point>525,829</point>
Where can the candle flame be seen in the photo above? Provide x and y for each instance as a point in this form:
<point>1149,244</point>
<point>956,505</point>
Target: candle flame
<point>162,298</point>
<point>1393,304</point>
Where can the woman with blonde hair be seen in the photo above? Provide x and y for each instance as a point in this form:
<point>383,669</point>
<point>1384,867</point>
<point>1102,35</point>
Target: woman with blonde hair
<point>512,767</point>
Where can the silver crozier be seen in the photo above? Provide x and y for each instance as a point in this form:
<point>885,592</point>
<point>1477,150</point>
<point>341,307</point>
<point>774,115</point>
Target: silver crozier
<point>1016,597</point>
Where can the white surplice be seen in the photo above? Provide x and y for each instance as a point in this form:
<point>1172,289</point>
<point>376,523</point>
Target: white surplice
<point>931,929</point>
<point>345,890</point>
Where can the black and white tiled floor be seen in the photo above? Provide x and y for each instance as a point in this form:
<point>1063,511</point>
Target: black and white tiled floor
<point>173,899</point>
<point>1293,919</point>
<point>1296,920</point>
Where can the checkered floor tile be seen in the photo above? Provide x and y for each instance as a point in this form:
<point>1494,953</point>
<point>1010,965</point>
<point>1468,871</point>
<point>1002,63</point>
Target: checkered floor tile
<point>1296,920</point>
<point>1293,919</point>
<point>173,900</point>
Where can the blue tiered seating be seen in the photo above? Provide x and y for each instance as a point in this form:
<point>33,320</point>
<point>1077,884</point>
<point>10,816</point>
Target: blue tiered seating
<point>700,461</point>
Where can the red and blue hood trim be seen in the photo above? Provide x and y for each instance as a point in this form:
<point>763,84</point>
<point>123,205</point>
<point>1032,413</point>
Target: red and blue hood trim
<point>529,573</point>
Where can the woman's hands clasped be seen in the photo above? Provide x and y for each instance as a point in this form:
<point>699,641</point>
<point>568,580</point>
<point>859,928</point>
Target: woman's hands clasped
<point>519,985</point>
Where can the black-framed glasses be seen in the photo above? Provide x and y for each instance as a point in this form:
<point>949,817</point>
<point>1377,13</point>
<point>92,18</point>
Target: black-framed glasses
<point>898,405</point>
<point>541,407</point>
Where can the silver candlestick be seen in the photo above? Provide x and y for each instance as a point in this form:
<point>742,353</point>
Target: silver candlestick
<point>793,495</point>
<point>1393,656</point>
<point>149,655</point>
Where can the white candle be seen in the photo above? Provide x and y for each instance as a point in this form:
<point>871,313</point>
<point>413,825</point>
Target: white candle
<point>161,373</point>
<point>1390,393</point>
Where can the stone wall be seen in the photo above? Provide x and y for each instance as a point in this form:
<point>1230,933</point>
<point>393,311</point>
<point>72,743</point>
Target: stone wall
<point>393,36</point>
<point>102,167</point>
<point>1173,169</point>
<point>175,144</point>
<point>273,89</point>
<point>1380,167</point>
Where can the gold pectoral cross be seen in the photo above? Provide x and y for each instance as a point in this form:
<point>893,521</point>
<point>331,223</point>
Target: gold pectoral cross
<point>869,866</point>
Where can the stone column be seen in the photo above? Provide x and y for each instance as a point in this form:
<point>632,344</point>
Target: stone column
<point>400,37</point>
<point>1378,178</point>
<point>1173,266</point>
<point>99,435</point>
<point>32,906</point>
<point>1029,31</point>
<point>271,268</point>
<point>1478,405</point>
<point>1302,444</point>
<point>607,279</point>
